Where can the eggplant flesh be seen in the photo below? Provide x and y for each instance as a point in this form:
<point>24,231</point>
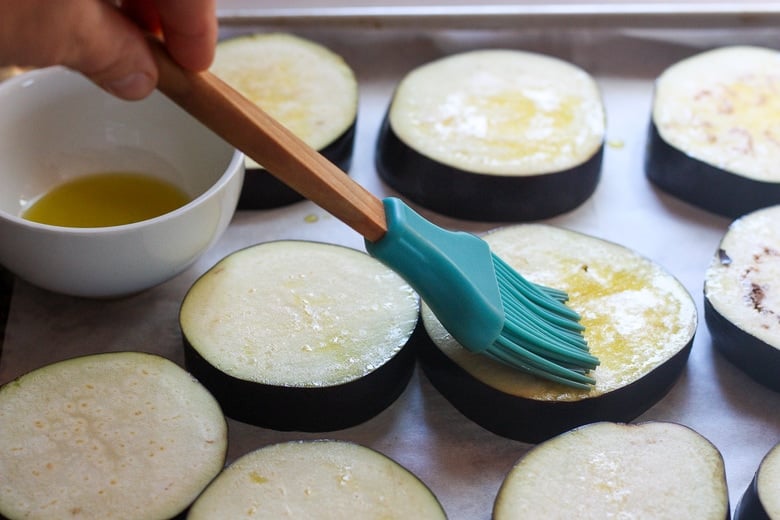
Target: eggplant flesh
<point>297,335</point>
<point>639,321</point>
<point>494,135</point>
<point>613,470</point>
<point>713,140</point>
<point>114,435</point>
<point>742,304</point>
<point>317,479</point>
<point>305,86</point>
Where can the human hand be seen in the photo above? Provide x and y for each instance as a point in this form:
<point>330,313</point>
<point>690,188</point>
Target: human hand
<point>106,43</point>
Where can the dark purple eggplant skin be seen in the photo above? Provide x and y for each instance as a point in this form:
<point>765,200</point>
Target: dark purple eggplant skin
<point>307,409</point>
<point>180,516</point>
<point>701,184</point>
<point>532,421</point>
<point>473,196</point>
<point>749,506</point>
<point>745,351</point>
<point>261,190</point>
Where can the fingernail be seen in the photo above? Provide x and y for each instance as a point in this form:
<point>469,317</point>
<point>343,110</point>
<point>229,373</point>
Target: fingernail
<point>136,85</point>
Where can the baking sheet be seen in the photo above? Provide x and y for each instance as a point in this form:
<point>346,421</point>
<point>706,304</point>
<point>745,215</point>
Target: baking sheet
<point>462,463</point>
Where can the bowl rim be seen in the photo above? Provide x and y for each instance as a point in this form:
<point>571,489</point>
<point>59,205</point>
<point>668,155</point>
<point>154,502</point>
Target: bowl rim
<point>232,168</point>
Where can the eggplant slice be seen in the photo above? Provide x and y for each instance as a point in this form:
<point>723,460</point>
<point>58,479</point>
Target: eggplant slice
<point>639,321</point>
<point>296,335</point>
<point>610,470</point>
<point>304,85</point>
<point>494,135</point>
<point>323,479</point>
<point>742,297</point>
<point>761,500</point>
<point>117,435</point>
<point>714,137</point>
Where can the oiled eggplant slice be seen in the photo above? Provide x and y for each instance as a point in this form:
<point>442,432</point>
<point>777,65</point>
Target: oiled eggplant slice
<point>612,470</point>
<point>316,479</point>
<point>297,335</point>
<point>761,500</point>
<point>304,85</point>
<point>117,435</point>
<point>742,297</point>
<point>714,139</point>
<point>639,321</point>
<point>494,135</point>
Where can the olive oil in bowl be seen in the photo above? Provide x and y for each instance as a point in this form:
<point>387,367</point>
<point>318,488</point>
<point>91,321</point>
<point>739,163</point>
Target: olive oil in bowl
<point>106,199</point>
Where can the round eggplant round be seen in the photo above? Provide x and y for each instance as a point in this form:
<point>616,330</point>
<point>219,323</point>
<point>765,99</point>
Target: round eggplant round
<point>117,435</point>
<point>323,479</point>
<point>741,297</point>
<point>494,135</point>
<point>714,137</point>
<point>304,85</point>
<point>296,335</point>
<point>761,500</point>
<point>611,470</point>
<point>639,321</point>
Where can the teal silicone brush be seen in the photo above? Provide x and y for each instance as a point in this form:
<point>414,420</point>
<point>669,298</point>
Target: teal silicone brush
<point>485,304</point>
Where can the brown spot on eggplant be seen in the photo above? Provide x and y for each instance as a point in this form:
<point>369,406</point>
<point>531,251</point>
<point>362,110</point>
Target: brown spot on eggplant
<point>757,295</point>
<point>740,303</point>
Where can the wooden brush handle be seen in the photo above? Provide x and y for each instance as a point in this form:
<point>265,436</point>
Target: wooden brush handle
<point>246,126</point>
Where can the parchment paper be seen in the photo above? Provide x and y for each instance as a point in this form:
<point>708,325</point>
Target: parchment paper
<point>462,463</point>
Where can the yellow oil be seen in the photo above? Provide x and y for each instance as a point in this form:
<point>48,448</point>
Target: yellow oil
<point>106,199</point>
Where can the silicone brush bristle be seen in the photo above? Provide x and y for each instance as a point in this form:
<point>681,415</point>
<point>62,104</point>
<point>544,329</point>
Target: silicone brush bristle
<point>487,306</point>
<point>540,334</point>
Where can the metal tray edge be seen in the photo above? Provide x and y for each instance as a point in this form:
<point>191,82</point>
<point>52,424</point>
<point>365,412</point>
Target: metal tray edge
<point>626,15</point>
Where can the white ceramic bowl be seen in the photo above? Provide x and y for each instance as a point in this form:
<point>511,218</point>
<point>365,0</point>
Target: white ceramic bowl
<point>56,125</point>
